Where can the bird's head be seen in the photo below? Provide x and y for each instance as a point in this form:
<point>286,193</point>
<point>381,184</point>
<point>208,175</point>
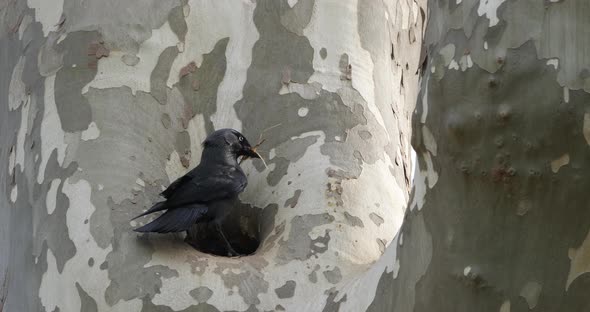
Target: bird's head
<point>232,140</point>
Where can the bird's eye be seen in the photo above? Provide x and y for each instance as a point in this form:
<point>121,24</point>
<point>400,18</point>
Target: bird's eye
<point>241,138</point>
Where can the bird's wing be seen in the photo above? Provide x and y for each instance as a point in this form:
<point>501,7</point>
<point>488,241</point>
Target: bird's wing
<point>216,184</point>
<point>179,182</point>
<point>175,220</point>
<point>157,207</point>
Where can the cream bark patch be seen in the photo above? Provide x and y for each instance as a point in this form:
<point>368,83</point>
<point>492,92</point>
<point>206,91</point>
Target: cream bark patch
<point>52,134</point>
<point>48,13</point>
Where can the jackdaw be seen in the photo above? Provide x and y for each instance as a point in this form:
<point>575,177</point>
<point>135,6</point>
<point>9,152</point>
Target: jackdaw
<point>208,192</point>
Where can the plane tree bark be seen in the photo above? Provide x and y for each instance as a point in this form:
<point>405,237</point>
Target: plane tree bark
<point>105,102</point>
<point>499,217</point>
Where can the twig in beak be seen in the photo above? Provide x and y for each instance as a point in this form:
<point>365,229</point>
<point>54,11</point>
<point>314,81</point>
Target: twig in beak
<point>263,162</point>
<point>263,131</point>
<point>255,147</point>
<point>260,141</point>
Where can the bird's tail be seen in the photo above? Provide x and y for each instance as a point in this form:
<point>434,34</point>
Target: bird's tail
<point>157,207</point>
<point>175,220</point>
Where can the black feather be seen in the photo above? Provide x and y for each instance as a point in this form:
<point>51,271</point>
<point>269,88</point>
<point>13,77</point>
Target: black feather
<point>157,207</point>
<point>175,220</point>
<point>172,187</point>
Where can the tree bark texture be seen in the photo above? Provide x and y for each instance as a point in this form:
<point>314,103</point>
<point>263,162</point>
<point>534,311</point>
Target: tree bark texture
<point>499,217</point>
<point>104,102</point>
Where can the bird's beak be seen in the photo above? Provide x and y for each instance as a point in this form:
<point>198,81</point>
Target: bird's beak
<point>250,152</point>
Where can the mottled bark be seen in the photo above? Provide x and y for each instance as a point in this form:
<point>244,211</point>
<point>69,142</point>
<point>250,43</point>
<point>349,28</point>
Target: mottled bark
<point>104,102</point>
<point>499,217</point>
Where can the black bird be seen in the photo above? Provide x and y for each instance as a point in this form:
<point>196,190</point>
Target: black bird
<point>206,193</point>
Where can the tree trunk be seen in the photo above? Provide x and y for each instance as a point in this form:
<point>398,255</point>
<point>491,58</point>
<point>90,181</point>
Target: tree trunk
<point>499,219</point>
<point>106,101</point>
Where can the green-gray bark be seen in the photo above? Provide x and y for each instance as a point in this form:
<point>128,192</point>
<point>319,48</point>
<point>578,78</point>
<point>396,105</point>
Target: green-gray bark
<point>499,219</point>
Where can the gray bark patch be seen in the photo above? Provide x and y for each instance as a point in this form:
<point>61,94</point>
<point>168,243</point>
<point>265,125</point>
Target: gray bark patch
<point>313,276</point>
<point>160,74</point>
<point>249,281</point>
<point>377,219</point>
<point>331,304</point>
<point>333,276</point>
<point>292,202</point>
<point>183,147</point>
<point>199,85</point>
<point>148,306</point>
<point>130,60</point>
<point>352,220</point>
<point>73,108</point>
<point>198,264</point>
<point>385,294</point>
<point>381,243</point>
<point>287,290</point>
<point>323,53</point>
<point>177,22</point>
<point>299,245</point>
<point>294,149</point>
<point>345,67</point>
<point>271,239</point>
<point>88,303</point>
<point>166,121</point>
<point>365,135</point>
<point>297,18</point>
<point>279,171</point>
<point>201,294</point>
